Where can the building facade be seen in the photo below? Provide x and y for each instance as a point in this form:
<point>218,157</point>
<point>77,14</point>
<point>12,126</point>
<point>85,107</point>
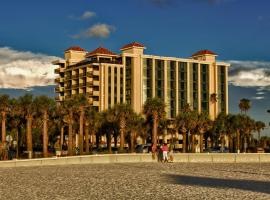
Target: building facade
<point>131,77</point>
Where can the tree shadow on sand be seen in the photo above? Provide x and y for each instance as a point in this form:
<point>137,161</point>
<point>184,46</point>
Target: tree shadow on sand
<point>249,185</point>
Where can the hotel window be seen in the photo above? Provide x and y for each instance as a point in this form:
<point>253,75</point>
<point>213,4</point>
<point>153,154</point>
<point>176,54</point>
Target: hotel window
<point>171,86</point>
<point>121,85</point>
<point>115,85</point>
<point>205,88</point>
<point>194,85</point>
<point>109,86</point>
<point>182,87</point>
<point>159,71</point>
<point>222,88</point>
<point>128,79</point>
<point>147,78</point>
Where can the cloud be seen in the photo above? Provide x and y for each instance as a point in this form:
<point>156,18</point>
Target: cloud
<point>87,15</point>
<point>24,69</point>
<point>96,31</point>
<point>250,74</point>
<point>84,16</point>
<point>258,98</point>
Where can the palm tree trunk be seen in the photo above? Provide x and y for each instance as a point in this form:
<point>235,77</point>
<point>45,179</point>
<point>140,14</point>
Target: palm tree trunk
<point>92,138</point>
<point>184,141</point>
<point>193,143</point>
<point>259,137</point>
<point>3,127</point>
<point>81,132</point>
<point>132,138</point>
<point>70,152</point>
<point>45,134</point>
<point>86,132</point>
<point>245,143</point>
<point>154,130</point>
<point>17,146</point>
<point>201,142</point>
<point>29,136</point>
<point>238,141</point>
<point>122,134</point>
<point>61,137</point>
<point>109,142</point>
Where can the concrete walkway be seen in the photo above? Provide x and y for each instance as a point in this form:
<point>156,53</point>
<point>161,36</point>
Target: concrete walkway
<point>141,158</point>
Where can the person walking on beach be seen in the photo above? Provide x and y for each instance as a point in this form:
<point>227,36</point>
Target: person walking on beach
<point>165,152</point>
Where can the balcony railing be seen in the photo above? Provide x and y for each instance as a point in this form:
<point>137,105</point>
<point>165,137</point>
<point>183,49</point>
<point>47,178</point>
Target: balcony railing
<point>75,76</point>
<point>89,74</point>
<point>82,85</point>
<point>59,89</point>
<point>59,70</point>
<point>75,86</point>
<point>89,84</point>
<point>89,93</point>
<point>59,79</point>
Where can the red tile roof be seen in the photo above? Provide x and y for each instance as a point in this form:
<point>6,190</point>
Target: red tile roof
<point>100,50</point>
<point>133,44</point>
<point>75,48</point>
<point>203,52</point>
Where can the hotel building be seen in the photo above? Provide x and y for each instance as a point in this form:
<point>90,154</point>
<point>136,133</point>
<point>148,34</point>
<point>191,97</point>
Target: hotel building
<point>131,77</point>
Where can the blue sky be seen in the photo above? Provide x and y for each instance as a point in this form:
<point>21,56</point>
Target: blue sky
<point>35,32</point>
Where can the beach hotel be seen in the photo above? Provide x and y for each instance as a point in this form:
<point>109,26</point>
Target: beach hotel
<point>131,77</point>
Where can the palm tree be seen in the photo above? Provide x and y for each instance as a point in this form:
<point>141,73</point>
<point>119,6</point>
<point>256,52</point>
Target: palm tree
<point>249,125</point>
<point>221,127</point>
<point>122,113</point>
<point>203,125</point>
<point>236,123</point>
<point>186,123</point>
<point>44,106</point>
<point>4,107</point>
<point>28,109</point>
<point>69,108</point>
<point>92,122</point>
<point>81,102</point>
<point>154,108</point>
<point>244,105</point>
<point>135,123</point>
<point>15,120</point>
<point>259,126</point>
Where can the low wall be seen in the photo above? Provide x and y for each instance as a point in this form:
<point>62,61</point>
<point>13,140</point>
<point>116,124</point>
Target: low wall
<point>138,158</point>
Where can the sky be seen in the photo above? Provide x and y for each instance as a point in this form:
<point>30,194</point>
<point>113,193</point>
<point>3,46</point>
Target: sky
<point>33,33</point>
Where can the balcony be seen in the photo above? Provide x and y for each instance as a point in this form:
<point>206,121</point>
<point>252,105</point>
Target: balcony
<point>59,79</point>
<point>82,85</point>
<point>67,78</point>
<point>95,93</point>
<point>89,84</point>
<point>59,70</point>
<point>59,89</point>
<point>89,93</point>
<point>75,86</point>
<point>75,76</point>
<point>89,74</point>
<point>95,103</point>
<point>96,83</point>
<point>96,73</point>
<point>82,75</point>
